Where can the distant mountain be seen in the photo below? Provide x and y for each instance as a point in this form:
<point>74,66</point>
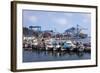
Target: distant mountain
<point>74,32</point>
<point>72,29</point>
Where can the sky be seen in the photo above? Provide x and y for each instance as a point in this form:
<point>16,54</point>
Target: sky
<point>57,21</point>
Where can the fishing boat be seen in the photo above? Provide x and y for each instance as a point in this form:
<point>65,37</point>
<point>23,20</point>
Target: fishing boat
<point>68,45</point>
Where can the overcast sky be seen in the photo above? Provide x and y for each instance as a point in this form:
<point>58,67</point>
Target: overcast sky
<point>49,20</point>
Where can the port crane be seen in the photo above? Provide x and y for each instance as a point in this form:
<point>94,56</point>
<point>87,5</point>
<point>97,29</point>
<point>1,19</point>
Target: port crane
<point>78,30</point>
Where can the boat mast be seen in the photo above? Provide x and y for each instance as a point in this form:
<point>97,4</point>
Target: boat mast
<point>77,31</point>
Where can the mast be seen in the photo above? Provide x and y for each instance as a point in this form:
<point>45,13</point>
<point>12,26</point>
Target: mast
<point>77,31</point>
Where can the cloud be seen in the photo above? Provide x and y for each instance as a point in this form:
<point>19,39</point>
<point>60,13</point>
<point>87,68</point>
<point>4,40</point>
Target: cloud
<point>33,19</point>
<point>61,21</point>
<point>86,18</point>
<point>68,14</point>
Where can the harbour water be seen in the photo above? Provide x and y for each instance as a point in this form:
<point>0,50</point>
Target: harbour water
<point>40,56</point>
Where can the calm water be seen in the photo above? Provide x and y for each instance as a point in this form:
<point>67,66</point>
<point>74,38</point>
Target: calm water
<point>36,56</point>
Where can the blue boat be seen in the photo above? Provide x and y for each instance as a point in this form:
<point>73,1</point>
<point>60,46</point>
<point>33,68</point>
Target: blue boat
<point>68,45</point>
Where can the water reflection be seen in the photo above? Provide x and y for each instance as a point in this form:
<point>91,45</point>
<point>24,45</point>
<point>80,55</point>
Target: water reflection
<point>39,55</point>
<point>58,53</point>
